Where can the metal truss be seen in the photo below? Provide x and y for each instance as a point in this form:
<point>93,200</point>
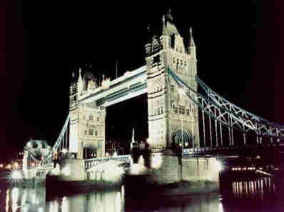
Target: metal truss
<point>227,113</point>
<point>61,135</point>
<point>58,140</point>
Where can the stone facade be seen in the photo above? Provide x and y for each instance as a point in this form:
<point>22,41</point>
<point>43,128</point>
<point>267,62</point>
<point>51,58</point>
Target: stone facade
<point>87,121</point>
<point>172,117</point>
<point>168,168</point>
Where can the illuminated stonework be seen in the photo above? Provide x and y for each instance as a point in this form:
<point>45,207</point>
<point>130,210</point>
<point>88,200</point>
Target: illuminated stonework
<point>171,115</point>
<point>87,128</point>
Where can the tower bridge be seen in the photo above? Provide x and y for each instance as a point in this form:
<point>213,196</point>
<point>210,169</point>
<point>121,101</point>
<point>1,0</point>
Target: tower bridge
<point>185,116</point>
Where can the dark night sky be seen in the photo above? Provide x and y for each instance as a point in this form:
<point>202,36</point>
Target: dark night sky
<point>238,49</point>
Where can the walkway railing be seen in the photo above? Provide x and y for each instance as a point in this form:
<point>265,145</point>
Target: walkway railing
<point>89,163</point>
<point>250,150</point>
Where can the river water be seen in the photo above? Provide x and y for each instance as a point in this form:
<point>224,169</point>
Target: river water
<point>258,195</point>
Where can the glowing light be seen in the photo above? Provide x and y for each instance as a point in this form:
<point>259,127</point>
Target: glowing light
<point>16,165</point>
<point>1,165</point>
<point>157,161</point>
<point>65,205</point>
<point>8,166</point>
<point>64,151</point>
<point>219,166</point>
<point>16,175</point>
<point>137,169</point>
<point>220,207</point>
<point>66,171</point>
<point>29,144</point>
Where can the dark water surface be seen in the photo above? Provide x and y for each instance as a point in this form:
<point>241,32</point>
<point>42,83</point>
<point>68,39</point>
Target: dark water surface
<point>258,195</point>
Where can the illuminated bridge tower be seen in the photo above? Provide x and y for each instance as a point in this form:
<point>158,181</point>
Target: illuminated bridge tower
<point>87,120</point>
<point>172,117</point>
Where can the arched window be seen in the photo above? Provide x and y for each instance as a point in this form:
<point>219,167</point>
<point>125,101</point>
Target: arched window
<point>91,131</point>
<point>173,41</point>
<point>187,112</point>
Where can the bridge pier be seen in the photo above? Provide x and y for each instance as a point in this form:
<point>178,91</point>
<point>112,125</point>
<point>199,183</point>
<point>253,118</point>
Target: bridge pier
<point>73,170</point>
<point>189,174</point>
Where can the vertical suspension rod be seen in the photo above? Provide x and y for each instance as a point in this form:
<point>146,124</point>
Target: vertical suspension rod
<point>245,139</point>
<point>232,136</point>
<point>216,129</point>
<point>221,136</point>
<point>203,123</point>
<point>211,143</point>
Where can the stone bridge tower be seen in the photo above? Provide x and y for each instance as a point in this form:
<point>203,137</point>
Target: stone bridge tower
<point>87,120</point>
<point>172,117</point>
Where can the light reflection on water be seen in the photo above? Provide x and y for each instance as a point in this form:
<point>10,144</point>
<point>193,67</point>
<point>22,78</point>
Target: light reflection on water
<point>13,199</point>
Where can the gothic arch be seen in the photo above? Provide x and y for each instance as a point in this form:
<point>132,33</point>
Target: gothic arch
<point>182,136</point>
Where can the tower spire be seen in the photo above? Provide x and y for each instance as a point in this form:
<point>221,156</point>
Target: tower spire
<point>132,140</point>
<point>80,75</point>
<point>116,62</point>
<point>169,15</point>
<point>192,48</point>
<point>192,43</point>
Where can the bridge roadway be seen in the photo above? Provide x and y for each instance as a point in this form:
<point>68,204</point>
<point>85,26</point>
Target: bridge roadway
<point>222,153</point>
<point>128,86</point>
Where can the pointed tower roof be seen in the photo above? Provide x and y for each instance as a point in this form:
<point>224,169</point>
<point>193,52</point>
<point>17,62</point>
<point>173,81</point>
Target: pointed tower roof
<point>80,74</point>
<point>132,140</point>
<point>191,42</point>
<point>169,27</point>
<point>169,15</point>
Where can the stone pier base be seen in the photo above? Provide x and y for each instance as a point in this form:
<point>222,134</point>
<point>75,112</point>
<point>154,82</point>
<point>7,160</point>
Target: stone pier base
<point>72,170</point>
<point>181,174</point>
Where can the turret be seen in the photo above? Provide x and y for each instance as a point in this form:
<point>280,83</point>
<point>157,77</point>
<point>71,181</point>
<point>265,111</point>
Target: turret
<point>192,48</point>
<point>73,92</point>
<point>166,108</point>
<point>80,82</point>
